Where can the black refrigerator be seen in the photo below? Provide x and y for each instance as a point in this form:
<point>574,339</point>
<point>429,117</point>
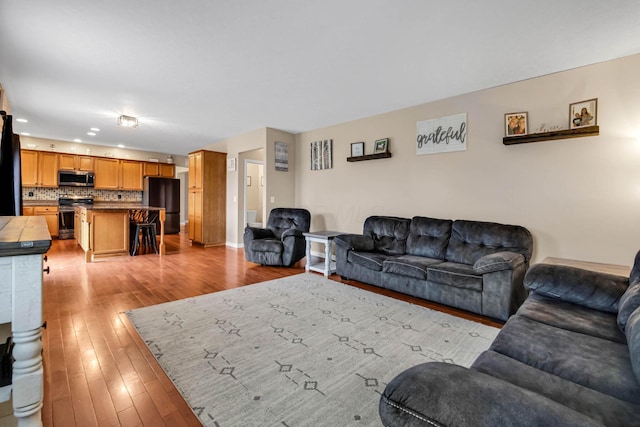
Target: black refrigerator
<point>164,193</point>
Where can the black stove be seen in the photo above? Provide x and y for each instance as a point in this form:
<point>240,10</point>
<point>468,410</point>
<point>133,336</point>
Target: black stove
<point>66,205</point>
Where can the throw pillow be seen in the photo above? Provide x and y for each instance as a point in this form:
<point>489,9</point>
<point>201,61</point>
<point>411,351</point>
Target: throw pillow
<point>629,302</point>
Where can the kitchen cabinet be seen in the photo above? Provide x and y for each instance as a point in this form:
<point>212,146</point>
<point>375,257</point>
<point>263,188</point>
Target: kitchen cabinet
<point>39,168</point>
<point>165,170</point>
<point>50,214</point>
<point>130,175</point>
<point>114,174</point>
<point>75,162</point>
<point>207,197</point>
<point>107,173</point>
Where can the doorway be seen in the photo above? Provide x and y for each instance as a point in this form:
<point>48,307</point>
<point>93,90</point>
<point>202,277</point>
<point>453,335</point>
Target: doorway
<point>254,193</point>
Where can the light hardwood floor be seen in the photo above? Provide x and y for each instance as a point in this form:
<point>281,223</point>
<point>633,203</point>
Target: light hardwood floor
<point>98,372</point>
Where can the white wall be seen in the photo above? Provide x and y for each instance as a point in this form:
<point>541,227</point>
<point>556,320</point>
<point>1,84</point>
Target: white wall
<point>579,197</point>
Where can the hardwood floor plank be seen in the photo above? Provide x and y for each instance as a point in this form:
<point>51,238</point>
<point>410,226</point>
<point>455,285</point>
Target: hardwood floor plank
<point>98,371</point>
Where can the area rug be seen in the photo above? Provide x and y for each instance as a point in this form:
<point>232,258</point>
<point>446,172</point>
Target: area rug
<point>298,351</point>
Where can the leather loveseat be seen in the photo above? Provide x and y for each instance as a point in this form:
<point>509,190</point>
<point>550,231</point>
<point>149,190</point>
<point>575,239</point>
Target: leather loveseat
<point>569,357</point>
<point>472,265</point>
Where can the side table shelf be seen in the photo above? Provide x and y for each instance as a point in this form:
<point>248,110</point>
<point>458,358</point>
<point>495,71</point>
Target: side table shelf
<point>324,264</point>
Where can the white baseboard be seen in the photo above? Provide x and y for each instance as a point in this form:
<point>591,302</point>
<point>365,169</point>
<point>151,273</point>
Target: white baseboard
<point>235,245</point>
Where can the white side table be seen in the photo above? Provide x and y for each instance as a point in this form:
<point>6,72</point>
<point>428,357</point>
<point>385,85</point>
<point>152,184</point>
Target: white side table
<point>321,265</point>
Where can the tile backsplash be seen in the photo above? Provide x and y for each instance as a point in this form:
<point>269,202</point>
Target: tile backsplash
<point>38,193</point>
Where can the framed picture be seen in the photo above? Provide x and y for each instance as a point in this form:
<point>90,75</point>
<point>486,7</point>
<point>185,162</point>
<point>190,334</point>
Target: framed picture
<point>381,146</point>
<point>583,113</point>
<point>516,124</point>
<point>282,156</point>
<point>357,149</point>
<point>322,155</point>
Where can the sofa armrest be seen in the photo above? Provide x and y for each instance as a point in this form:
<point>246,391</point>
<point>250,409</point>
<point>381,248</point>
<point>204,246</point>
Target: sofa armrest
<point>355,242</point>
<point>587,288</point>
<point>498,261</point>
<point>291,232</point>
<point>257,233</point>
<point>442,394</point>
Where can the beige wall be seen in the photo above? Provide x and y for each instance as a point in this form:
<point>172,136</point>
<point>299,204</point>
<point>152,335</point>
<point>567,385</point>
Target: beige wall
<point>579,197</point>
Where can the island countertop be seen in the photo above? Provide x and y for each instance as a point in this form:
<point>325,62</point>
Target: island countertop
<point>120,206</point>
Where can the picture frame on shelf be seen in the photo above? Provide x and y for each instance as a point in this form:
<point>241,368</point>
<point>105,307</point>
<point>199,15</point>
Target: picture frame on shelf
<point>583,113</point>
<point>357,149</point>
<point>381,146</point>
<point>516,124</point>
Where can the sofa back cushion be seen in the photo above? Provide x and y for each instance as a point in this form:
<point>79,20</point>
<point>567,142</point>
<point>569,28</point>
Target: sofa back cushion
<point>629,302</point>
<point>389,233</point>
<point>633,340</point>
<point>471,240</point>
<point>429,237</point>
<point>283,219</point>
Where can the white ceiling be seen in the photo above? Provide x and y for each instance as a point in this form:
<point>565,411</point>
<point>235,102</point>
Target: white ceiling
<point>199,71</point>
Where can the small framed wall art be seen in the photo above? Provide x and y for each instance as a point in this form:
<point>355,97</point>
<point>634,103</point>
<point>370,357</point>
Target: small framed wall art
<point>516,124</point>
<point>583,113</point>
<point>381,146</point>
<point>357,149</point>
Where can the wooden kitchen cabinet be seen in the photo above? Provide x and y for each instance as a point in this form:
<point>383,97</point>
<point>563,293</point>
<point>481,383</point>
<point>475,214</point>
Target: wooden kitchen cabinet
<point>130,175</point>
<point>107,174</point>
<point>50,214</point>
<point>75,162</point>
<point>151,169</point>
<point>39,168</point>
<point>167,170</point>
<point>207,197</point>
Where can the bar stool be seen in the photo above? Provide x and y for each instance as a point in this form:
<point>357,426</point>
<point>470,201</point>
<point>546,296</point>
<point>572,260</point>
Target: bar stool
<point>142,233</point>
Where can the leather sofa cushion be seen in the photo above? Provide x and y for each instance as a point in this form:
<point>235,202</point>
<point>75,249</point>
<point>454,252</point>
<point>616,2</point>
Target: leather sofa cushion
<point>572,317</point>
<point>389,234</point>
<point>454,274</point>
<point>267,245</point>
<point>592,362</point>
<point>633,339</point>
<point>409,265</point>
<point>370,260</point>
<point>628,303</point>
<point>606,409</point>
<point>471,240</point>
<point>429,237</point>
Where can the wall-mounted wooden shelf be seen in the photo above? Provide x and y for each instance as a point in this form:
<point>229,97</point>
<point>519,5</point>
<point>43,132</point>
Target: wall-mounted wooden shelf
<point>558,134</point>
<point>369,157</point>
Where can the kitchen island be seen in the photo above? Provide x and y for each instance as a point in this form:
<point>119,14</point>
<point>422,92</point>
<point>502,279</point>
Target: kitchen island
<point>102,229</point>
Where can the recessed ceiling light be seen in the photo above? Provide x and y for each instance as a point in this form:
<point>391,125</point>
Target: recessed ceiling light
<point>25,133</point>
<point>91,133</point>
<point>120,145</point>
<point>77,140</point>
<point>127,121</point>
<point>95,129</point>
<point>22,120</point>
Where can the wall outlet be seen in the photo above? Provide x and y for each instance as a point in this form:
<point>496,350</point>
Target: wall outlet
<point>119,196</point>
<point>30,193</point>
<point>272,199</point>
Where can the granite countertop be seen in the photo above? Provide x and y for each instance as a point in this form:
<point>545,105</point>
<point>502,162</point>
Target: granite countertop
<point>30,203</point>
<point>119,206</point>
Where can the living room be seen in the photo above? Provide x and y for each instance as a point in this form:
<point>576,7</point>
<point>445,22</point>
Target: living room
<point>577,196</point>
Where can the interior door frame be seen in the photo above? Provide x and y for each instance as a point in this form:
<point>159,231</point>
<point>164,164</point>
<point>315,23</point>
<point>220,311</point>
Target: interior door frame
<point>244,190</point>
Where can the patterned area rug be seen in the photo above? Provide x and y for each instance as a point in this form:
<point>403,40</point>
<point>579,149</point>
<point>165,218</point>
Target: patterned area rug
<point>298,351</point>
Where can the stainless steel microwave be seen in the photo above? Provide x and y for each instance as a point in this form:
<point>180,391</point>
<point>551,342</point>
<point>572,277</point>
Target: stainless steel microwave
<point>76,178</point>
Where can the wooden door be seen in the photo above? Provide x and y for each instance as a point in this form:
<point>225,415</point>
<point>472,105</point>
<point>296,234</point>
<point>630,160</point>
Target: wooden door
<point>195,170</point>
<point>131,175</point>
<point>66,161</point>
<point>29,166</point>
<point>107,171</point>
<point>151,169</point>
<point>195,215</point>
<point>167,170</point>
<point>84,163</point>
<point>48,169</point>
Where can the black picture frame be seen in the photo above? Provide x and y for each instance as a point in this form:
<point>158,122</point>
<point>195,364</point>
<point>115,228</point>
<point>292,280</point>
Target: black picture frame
<point>357,149</point>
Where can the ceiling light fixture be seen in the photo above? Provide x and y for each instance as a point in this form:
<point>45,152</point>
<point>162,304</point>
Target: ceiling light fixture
<point>22,120</point>
<point>120,145</point>
<point>77,140</point>
<point>127,121</point>
<point>91,133</point>
<point>95,129</point>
